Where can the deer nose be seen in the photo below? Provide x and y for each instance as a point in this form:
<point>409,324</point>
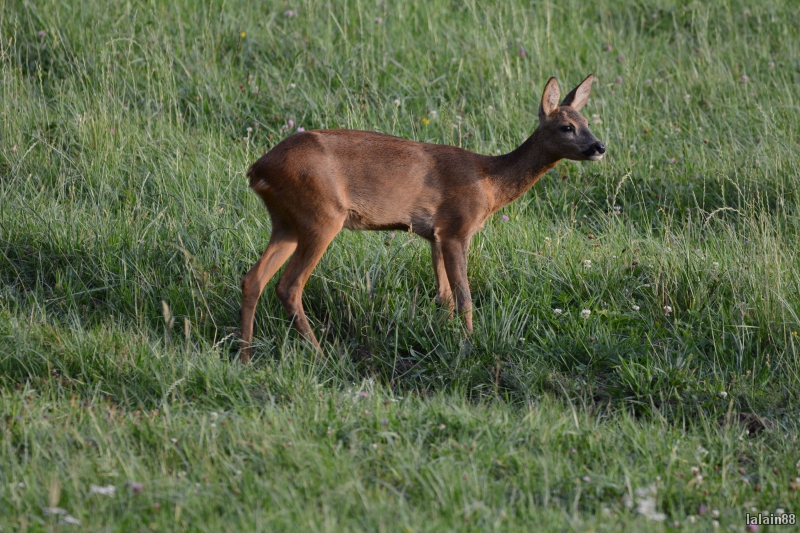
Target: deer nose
<point>600,147</point>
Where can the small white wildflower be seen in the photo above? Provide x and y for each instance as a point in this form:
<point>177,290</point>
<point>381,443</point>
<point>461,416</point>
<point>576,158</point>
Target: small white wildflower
<point>617,209</point>
<point>667,310</point>
<point>249,129</point>
<point>292,85</point>
<point>434,114</point>
<point>723,394</point>
<point>585,313</point>
<point>779,511</point>
<point>687,97</point>
<point>715,513</point>
<point>174,441</point>
<point>213,425</point>
<point>647,507</point>
<point>715,265</point>
<point>557,311</point>
<point>587,263</point>
<point>214,414</point>
<point>635,307</point>
<point>459,118</point>
<point>715,523</point>
<point>108,490</point>
<point>596,119</point>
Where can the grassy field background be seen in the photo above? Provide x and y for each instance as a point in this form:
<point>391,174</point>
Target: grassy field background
<point>126,226</point>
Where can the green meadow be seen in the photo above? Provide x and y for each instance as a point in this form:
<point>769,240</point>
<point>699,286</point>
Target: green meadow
<point>636,360</point>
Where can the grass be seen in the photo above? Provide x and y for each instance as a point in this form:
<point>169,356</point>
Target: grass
<point>126,226</point>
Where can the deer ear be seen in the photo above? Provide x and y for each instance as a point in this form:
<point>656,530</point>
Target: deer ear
<point>578,96</point>
<point>549,98</point>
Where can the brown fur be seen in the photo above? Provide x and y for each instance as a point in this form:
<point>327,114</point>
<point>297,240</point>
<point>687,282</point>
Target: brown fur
<point>316,183</point>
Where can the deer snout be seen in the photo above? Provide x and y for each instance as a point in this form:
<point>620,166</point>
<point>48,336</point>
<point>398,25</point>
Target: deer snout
<point>596,151</point>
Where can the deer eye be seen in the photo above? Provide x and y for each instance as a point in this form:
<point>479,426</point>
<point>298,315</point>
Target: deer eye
<point>567,128</point>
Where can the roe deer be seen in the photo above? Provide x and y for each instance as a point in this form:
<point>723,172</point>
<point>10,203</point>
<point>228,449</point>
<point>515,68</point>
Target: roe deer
<point>317,182</point>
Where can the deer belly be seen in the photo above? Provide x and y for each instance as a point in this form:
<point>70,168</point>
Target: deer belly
<point>386,220</point>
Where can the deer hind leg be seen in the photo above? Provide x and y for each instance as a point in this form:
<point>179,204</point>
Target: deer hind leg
<point>444,295</point>
<point>454,252</point>
<point>310,248</point>
<point>281,245</point>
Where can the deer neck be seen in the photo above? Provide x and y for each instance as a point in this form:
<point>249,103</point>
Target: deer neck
<point>514,173</point>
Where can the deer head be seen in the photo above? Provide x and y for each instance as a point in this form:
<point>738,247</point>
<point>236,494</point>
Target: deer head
<point>565,131</point>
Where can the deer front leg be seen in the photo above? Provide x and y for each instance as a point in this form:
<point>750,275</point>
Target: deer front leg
<point>444,295</point>
<point>454,252</point>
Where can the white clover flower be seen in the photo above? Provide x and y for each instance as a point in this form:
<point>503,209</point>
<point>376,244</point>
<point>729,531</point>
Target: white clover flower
<point>715,265</point>
<point>587,263</point>
<point>397,102</point>
<point>586,313</point>
<point>635,307</point>
<point>617,209</point>
<point>108,490</point>
<point>557,311</point>
<point>667,310</point>
<point>723,394</point>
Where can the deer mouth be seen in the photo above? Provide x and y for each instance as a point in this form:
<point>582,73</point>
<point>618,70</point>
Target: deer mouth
<point>596,157</point>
